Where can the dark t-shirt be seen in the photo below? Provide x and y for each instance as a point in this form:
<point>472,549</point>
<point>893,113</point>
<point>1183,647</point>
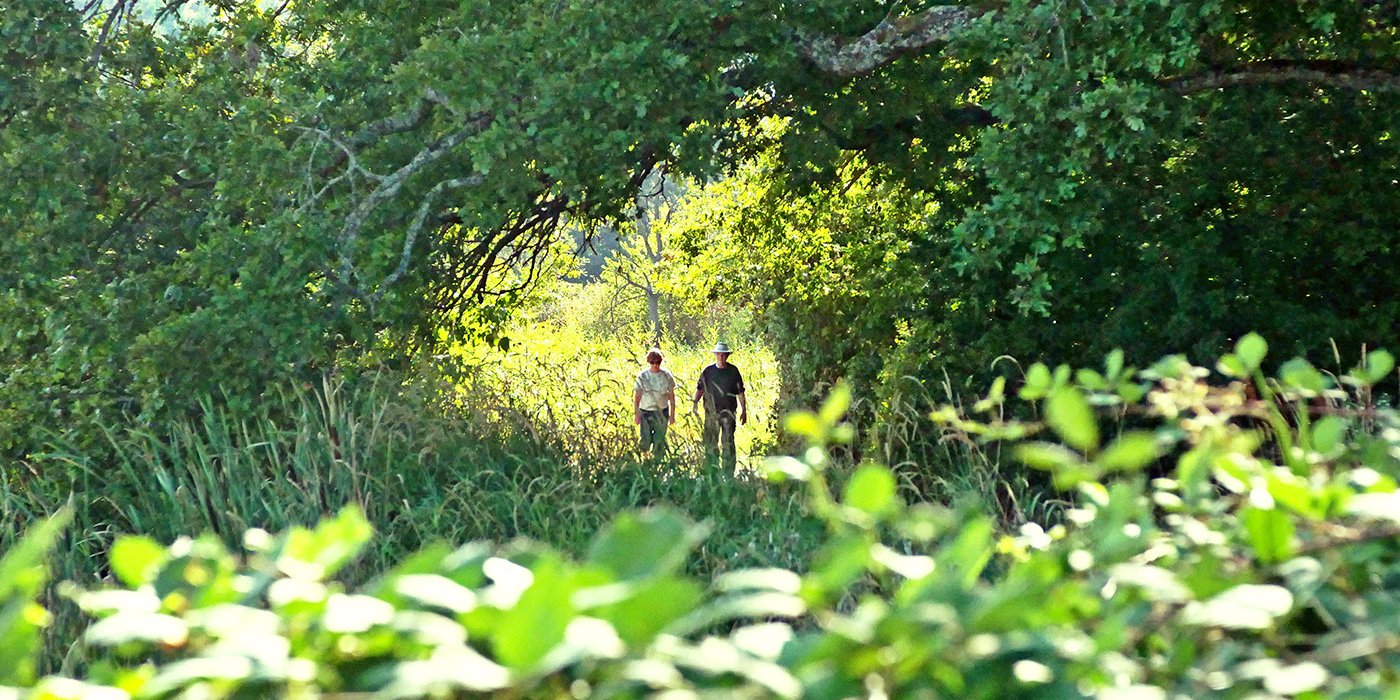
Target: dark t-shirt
<point>722,387</point>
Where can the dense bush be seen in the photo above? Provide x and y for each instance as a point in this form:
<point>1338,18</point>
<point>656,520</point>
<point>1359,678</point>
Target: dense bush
<point>1263,564</point>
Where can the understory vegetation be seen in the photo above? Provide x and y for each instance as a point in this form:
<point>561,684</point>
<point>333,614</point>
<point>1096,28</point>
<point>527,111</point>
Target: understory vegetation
<point>1241,541</point>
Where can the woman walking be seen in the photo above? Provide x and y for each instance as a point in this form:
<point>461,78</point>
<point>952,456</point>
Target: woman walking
<point>654,403</point>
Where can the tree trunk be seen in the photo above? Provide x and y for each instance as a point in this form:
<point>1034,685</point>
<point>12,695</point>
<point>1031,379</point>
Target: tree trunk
<point>654,315</point>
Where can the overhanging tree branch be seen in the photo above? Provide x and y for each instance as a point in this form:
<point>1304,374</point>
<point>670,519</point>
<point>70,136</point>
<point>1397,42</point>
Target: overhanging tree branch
<point>417,226</point>
<point>114,16</point>
<point>387,189</point>
<point>399,124</point>
<point>893,36</point>
<point>403,122</point>
<point>1271,72</point>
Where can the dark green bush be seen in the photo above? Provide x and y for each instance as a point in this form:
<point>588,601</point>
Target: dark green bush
<point>1265,564</point>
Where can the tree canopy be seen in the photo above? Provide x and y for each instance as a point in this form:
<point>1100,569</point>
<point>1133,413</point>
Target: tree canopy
<point>223,196</point>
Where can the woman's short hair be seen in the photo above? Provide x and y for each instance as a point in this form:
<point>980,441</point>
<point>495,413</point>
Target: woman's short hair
<point>654,355</point>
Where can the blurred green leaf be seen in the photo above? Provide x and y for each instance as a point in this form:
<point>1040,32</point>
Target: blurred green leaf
<point>652,542</point>
<point>1270,533</point>
<point>1156,583</point>
<point>1380,506</point>
<point>448,672</point>
<point>1130,452</point>
<point>1247,606</point>
<point>758,579</point>
<point>1296,678</point>
<point>337,541</point>
<point>1090,380</point>
<point>135,559</point>
<point>968,554</point>
<point>785,466</point>
<point>1037,382</point>
<point>737,606</point>
<point>1070,415</point>
<point>1327,433</point>
<point>352,614</point>
<point>1113,365</point>
<point>1293,493</point>
<point>536,623</point>
<point>1378,364</point>
<point>995,396</point>
<point>1300,374</point>
<point>103,603</point>
<point>804,423</point>
<point>871,489</point>
<point>1251,350</point>
<point>22,576</point>
<point>1232,366</point>
<point>151,628</point>
<point>837,564</point>
<point>651,607</point>
<point>836,404</point>
<point>1047,455</point>
<point>436,592</point>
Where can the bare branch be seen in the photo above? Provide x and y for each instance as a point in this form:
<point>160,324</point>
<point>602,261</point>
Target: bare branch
<point>847,58</point>
<point>387,189</point>
<point>113,16</point>
<point>91,9</point>
<point>1266,73</point>
<point>401,123</point>
<point>405,122</point>
<point>417,226</point>
<point>346,153</point>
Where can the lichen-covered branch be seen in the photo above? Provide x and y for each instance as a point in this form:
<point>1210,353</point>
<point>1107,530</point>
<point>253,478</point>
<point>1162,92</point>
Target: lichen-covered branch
<point>402,122</point>
<point>416,227</point>
<point>1267,74</point>
<point>848,58</point>
<point>388,187</point>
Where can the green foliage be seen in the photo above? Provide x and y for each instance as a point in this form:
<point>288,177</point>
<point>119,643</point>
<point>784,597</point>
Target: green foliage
<point>425,461</point>
<point>228,198</point>
<point>1246,567</point>
<point>23,571</point>
<point>228,207</point>
<point>1064,179</point>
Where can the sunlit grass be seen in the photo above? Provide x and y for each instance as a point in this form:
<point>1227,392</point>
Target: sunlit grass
<point>578,383</point>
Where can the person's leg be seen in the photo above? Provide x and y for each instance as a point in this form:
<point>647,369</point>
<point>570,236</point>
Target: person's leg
<point>726,440</point>
<point>663,418</point>
<point>648,431</point>
<point>709,436</point>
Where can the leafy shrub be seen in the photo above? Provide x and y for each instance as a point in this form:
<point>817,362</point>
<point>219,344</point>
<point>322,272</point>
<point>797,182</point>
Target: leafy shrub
<point>1263,565</point>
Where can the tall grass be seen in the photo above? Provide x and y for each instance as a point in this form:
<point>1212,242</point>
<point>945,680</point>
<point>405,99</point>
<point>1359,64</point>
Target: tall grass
<point>579,385</point>
<point>427,461</point>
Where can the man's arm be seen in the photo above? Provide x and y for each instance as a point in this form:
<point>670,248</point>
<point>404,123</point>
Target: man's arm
<point>699,392</point>
<point>671,400</point>
<point>637,406</point>
<point>743,399</point>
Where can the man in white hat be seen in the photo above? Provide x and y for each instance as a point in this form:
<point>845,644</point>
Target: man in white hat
<point>654,403</point>
<point>722,387</point>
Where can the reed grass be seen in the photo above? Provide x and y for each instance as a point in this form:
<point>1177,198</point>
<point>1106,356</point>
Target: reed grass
<point>426,459</point>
